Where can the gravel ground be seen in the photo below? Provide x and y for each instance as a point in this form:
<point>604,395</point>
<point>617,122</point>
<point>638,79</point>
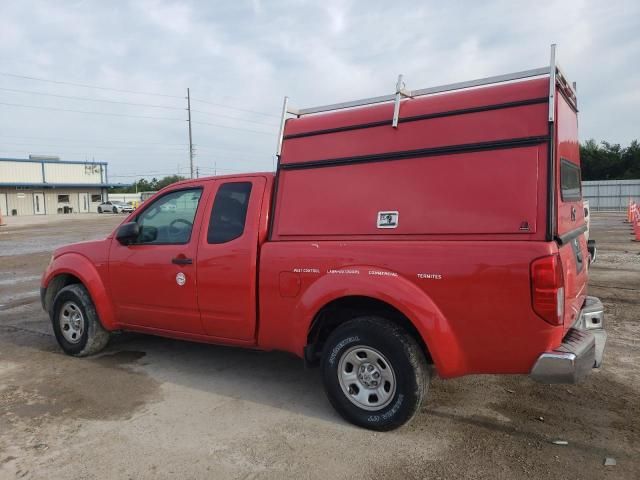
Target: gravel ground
<point>156,408</point>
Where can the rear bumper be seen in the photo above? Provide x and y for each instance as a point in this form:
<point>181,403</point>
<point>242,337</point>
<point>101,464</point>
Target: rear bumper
<point>581,350</point>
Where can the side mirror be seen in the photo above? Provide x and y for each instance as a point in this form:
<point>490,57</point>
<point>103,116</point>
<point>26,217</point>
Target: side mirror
<point>128,233</point>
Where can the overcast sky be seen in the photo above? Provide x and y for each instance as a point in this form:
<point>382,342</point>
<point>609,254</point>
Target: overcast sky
<point>247,55</point>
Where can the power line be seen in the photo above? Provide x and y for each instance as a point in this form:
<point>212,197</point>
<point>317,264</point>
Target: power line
<point>123,143</point>
<point>233,160</point>
<point>150,172</point>
<point>213,114</point>
<point>84,85</point>
<point>142,175</point>
<point>88,99</point>
<point>234,128</point>
<point>91,141</point>
<point>131,116</point>
<point>90,146</point>
<point>236,108</point>
<point>90,112</point>
<point>83,155</point>
<point>135,92</point>
<point>153,174</point>
<point>220,169</point>
<point>146,174</point>
<point>74,97</point>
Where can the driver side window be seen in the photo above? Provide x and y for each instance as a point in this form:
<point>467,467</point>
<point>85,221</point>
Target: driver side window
<point>169,219</point>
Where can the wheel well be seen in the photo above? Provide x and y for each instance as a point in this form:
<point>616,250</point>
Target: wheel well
<point>55,285</point>
<point>344,309</point>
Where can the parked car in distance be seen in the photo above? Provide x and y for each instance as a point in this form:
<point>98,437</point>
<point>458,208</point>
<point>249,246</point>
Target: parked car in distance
<point>449,240</point>
<point>115,207</point>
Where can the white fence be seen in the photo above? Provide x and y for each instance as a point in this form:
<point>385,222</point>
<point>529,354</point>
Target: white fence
<point>610,194</point>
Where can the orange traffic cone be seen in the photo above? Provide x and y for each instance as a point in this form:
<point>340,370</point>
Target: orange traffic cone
<point>629,211</point>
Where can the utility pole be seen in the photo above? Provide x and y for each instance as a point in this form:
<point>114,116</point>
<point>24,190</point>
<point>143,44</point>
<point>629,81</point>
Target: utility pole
<point>190,139</point>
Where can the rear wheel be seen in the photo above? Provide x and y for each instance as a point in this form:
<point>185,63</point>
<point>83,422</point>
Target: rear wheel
<point>76,324</point>
<point>375,374</point>
<point>99,209</point>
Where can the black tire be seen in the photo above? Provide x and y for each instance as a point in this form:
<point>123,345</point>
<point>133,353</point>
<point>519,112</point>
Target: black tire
<point>405,358</point>
<point>115,209</point>
<point>99,209</point>
<point>93,337</point>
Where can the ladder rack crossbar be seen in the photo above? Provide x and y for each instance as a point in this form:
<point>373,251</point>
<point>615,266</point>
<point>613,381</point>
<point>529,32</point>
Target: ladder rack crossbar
<point>553,70</point>
<point>425,91</point>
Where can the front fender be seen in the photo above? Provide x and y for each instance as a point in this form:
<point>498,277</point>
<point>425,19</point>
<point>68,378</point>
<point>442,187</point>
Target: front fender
<point>394,290</point>
<point>82,268</point>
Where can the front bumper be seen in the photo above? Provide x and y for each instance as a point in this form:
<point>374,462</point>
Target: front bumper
<point>581,350</point>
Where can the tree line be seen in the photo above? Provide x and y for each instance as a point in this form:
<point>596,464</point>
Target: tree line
<point>609,161</point>
<point>153,185</point>
<point>600,161</point>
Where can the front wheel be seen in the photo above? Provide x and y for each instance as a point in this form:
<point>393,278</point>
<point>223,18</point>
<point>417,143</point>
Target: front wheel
<point>99,209</point>
<point>76,324</point>
<point>375,374</point>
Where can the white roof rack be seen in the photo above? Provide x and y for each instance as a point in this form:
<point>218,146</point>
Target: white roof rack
<point>553,69</point>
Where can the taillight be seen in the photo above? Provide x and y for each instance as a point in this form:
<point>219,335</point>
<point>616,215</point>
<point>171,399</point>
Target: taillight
<point>547,289</point>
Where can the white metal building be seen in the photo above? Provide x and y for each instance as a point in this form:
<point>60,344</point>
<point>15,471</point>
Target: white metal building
<point>611,194</point>
<point>49,186</point>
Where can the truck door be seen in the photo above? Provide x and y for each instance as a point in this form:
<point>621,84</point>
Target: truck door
<point>228,257</point>
<point>153,281</point>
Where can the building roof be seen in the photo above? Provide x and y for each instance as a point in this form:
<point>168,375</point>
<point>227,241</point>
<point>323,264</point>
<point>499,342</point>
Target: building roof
<point>42,183</point>
<point>65,185</point>
<point>44,160</point>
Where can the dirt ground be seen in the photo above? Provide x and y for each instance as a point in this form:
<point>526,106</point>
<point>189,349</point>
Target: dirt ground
<point>156,408</point>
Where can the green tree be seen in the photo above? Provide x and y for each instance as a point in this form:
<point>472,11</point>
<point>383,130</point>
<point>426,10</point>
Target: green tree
<point>168,181</point>
<point>152,185</point>
<point>631,160</point>
<point>608,161</point>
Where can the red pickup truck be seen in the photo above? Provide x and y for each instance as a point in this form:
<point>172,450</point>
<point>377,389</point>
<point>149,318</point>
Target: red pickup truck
<point>437,230</point>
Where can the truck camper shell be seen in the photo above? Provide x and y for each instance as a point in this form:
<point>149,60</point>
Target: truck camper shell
<point>467,159</point>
